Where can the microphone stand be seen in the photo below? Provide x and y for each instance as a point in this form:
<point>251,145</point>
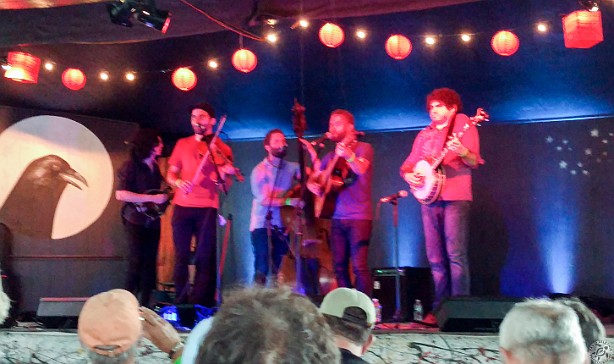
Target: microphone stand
<point>269,217</point>
<point>397,277</point>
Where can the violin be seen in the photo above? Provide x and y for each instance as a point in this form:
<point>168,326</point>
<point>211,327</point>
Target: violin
<point>220,153</point>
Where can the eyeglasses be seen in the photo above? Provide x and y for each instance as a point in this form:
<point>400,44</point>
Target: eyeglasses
<point>109,350</point>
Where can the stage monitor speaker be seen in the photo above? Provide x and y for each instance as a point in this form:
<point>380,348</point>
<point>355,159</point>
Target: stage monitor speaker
<point>415,283</point>
<point>473,314</point>
<point>60,312</point>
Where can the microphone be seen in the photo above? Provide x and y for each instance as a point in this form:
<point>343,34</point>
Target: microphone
<point>400,194</point>
<point>324,137</point>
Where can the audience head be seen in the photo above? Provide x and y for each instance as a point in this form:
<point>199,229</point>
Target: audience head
<point>592,328</point>
<point>265,325</point>
<point>110,326</point>
<point>5,305</point>
<point>541,331</point>
<point>350,314</point>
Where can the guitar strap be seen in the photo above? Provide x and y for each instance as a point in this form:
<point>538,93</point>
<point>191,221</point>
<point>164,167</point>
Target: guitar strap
<point>445,139</point>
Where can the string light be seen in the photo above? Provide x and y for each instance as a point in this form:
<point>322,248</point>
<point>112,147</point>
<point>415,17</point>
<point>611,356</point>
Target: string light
<point>542,27</point>
<point>104,75</point>
<point>304,23</point>
<point>466,37</point>
<point>272,37</point>
<point>130,76</point>
<point>361,34</point>
<point>212,63</point>
<point>430,40</point>
<point>49,66</point>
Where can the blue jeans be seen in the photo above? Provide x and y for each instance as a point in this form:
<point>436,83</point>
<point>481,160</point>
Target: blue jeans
<point>446,233</point>
<point>350,242</point>
<point>260,245</point>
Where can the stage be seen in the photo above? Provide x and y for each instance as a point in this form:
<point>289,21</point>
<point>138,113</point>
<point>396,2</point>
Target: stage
<point>392,345</point>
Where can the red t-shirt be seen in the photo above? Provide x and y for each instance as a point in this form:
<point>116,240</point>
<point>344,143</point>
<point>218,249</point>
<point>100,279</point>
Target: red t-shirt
<point>428,145</point>
<point>186,158</point>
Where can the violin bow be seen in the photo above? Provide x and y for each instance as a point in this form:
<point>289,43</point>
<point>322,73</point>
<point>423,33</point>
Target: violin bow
<point>208,153</point>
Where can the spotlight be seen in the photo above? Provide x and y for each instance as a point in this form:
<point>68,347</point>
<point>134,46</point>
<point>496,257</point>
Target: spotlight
<point>154,18</point>
<point>122,11</point>
<point>590,5</point>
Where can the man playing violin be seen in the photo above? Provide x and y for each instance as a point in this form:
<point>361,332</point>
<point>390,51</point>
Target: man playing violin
<point>446,221</point>
<point>196,204</point>
<point>135,177</point>
<point>271,180</point>
<point>352,216</point>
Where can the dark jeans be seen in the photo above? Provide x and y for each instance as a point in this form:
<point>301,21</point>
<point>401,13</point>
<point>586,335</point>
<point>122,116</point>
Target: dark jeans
<point>350,242</point>
<point>446,233</point>
<point>142,260</point>
<point>260,245</point>
<point>199,222</point>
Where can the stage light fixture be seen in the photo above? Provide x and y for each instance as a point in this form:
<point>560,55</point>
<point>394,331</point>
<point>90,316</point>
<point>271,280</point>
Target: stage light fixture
<point>123,11</point>
<point>154,18</point>
<point>120,12</point>
<point>590,5</point>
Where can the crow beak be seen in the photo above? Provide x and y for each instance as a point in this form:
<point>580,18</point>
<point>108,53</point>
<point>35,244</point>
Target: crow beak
<point>70,175</point>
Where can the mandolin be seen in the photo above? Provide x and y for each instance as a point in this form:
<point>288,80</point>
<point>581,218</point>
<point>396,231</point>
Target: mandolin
<point>154,210</point>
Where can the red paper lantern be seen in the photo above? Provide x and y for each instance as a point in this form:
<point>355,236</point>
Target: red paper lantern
<point>582,29</point>
<point>244,60</point>
<point>505,43</point>
<point>24,67</point>
<point>331,35</point>
<point>398,46</point>
<point>184,79</point>
<point>73,79</point>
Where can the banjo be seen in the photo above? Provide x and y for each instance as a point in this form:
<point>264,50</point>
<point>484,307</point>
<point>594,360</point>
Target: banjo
<point>432,174</point>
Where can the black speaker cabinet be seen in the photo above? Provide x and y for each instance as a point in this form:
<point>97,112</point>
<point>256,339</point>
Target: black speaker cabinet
<point>415,283</point>
<point>473,314</point>
<point>60,312</point>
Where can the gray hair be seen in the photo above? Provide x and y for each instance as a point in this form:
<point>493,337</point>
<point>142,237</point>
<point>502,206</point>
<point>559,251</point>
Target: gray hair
<point>540,329</point>
<point>128,356</point>
<point>268,326</point>
<point>592,328</point>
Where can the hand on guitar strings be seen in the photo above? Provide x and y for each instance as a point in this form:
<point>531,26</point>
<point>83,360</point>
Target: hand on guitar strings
<point>456,146</point>
<point>343,151</point>
<point>415,180</point>
<point>159,199</point>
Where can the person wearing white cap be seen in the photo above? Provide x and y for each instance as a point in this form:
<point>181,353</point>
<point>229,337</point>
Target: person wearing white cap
<point>351,315</point>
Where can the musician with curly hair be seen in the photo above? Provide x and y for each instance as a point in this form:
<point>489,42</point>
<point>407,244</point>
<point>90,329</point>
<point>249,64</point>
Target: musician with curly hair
<point>446,193</point>
<point>138,175</point>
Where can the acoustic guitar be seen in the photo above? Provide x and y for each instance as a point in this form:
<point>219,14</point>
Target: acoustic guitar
<point>332,180</point>
<point>154,210</point>
<point>432,172</point>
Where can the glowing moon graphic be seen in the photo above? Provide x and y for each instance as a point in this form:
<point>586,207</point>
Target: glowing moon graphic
<point>44,136</point>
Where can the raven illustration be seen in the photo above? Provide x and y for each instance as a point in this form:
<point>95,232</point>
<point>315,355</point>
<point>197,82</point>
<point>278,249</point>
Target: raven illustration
<point>30,207</point>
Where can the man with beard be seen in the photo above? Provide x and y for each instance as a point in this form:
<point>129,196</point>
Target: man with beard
<point>270,181</point>
<point>196,205</point>
<point>352,216</point>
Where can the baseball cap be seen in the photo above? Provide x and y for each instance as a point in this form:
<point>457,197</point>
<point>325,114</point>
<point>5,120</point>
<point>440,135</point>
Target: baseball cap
<point>204,106</point>
<point>337,301</point>
<point>109,322</point>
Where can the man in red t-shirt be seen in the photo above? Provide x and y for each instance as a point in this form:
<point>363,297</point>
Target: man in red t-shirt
<point>446,220</point>
<point>196,204</point>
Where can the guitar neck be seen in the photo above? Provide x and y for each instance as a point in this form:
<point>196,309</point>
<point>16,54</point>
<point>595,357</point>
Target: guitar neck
<point>459,135</point>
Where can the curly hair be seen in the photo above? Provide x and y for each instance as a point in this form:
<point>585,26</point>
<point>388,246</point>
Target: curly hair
<point>446,95</point>
<point>143,143</point>
<point>268,326</point>
<point>349,117</point>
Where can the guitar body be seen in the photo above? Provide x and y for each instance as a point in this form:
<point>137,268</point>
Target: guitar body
<point>153,210</point>
<point>433,182</point>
